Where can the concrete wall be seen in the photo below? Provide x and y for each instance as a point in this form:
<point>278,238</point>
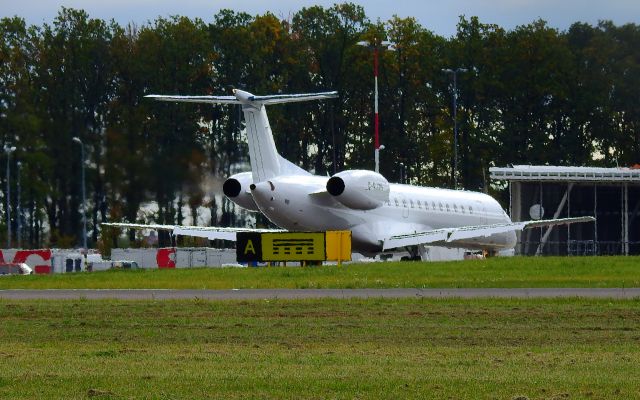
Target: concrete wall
<point>171,257</point>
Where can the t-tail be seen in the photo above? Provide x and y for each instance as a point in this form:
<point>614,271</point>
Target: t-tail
<point>265,160</point>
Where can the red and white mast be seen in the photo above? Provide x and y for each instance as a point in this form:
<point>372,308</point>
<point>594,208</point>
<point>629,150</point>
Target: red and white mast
<point>376,120</point>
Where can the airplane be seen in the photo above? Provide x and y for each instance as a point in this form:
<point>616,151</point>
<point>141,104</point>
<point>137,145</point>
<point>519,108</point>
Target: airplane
<point>382,216</point>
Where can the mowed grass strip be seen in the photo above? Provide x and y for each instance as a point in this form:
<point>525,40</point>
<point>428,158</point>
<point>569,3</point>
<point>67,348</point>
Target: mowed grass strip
<point>493,272</point>
<point>320,349</point>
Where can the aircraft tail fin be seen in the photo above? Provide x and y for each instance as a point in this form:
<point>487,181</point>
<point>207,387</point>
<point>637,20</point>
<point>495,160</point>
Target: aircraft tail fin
<point>265,160</point>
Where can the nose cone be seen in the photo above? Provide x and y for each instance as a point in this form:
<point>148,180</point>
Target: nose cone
<point>512,240</point>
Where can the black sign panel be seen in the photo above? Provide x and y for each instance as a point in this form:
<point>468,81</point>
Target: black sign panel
<point>248,247</point>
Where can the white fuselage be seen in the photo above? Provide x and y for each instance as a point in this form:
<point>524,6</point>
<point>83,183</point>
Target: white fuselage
<point>380,215</point>
<point>301,203</point>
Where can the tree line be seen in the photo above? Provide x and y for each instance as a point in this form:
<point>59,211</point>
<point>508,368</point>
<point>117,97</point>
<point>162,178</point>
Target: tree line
<point>531,95</point>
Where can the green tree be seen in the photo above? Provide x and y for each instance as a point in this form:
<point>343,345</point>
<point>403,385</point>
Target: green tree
<point>326,40</point>
<point>20,126</point>
<point>177,54</point>
<point>74,81</point>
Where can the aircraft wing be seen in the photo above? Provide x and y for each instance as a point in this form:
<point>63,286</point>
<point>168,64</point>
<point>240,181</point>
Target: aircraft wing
<point>451,235</point>
<point>208,232</point>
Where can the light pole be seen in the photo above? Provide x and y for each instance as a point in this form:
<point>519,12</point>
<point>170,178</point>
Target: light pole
<point>84,199</point>
<point>19,209</point>
<point>376,138</point>
<point>9,150</point>
<point>455,73</point>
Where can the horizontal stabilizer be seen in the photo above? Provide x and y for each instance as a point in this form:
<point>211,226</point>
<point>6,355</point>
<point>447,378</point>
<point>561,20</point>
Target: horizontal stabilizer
<point>195,99</point>
<point>293,98</point>
<point>242,97</point>
<point>208,232</point>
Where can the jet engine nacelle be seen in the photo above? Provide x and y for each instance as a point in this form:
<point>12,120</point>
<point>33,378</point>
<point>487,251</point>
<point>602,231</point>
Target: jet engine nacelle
<point>359,189</point>
<point>236,188</point>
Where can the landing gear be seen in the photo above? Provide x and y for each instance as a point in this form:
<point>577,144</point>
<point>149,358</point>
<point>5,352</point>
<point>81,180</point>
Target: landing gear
<point>475,255</point>
<point>416,253</point>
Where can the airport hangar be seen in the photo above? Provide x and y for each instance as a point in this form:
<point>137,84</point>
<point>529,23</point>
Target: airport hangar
<point>612,195</point>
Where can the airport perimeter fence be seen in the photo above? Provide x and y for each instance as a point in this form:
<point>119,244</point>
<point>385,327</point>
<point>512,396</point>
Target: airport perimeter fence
<point>579,248</point>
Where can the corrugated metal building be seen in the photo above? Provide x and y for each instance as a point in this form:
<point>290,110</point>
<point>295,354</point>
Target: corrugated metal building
<point>612,195</point>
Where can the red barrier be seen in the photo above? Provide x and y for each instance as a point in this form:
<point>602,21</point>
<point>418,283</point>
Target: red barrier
<point>166,258</point>
<point>39,260</point>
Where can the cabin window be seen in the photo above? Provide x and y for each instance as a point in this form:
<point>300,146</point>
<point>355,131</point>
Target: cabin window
<point>455,208</point>
<point>419,205</point>
<point>397,204</point>
<point>433,205</point>
<point>441,208</point>
<point>470,210</point>
<point>411,202</point>
<point>462,209</point>
<point>448,207</point>
<point>404,203</point>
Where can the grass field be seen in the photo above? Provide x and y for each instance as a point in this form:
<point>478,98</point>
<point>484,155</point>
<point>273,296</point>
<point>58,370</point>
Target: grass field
<point>494,272</point>
<point>439,349</point>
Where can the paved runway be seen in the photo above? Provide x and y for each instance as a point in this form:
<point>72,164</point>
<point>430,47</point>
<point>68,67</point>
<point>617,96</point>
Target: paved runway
<point>255,294</point>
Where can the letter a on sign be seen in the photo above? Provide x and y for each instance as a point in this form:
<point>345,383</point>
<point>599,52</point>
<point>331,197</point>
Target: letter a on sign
<point>249,248</point>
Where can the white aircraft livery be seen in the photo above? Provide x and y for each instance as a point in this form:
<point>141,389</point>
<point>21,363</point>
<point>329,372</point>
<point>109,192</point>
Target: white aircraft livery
<point>382,216</point>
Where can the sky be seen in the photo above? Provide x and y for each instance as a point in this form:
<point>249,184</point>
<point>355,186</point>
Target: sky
<point>438,16</point>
